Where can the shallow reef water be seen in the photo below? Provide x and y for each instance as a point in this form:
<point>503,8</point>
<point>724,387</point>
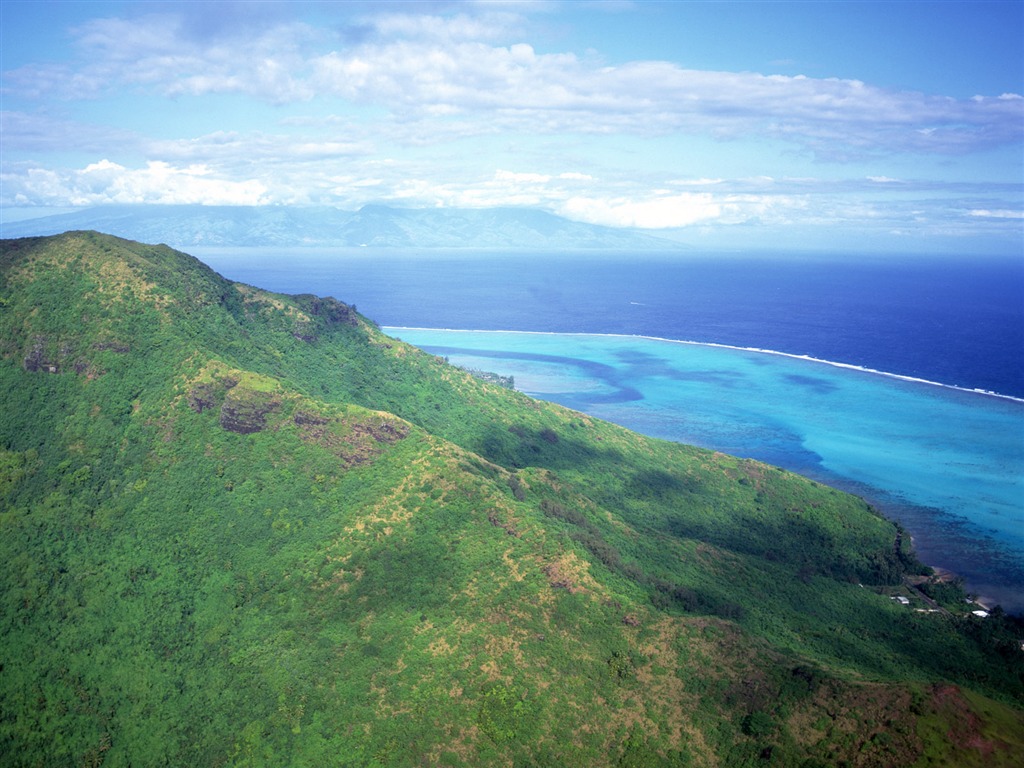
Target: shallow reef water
<point>948,463</point>
<point>945,462</point>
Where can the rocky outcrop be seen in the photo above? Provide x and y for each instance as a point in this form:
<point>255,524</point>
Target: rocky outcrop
<point>46,356</point>
<point>37,358</point>
<point>328,308</point>
<point>354,441</point>
<point>112,346</point>
<point>204,396</point>
<point>245,411</point>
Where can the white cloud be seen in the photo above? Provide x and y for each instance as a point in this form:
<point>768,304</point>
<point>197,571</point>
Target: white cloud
<point>702,182</point>
<point>234,149</point>
<point>429,110</point>
<point>996,214</point>
<point>560,92</point>
<point>501,175</point>
<point>44,133</point>
<point>108,182</point>
<point>659,209</point>
<point>425,69</point>
<point>159,53</point>
<point>658,213</point>
<point>491,26</point>
<point>784,205</point>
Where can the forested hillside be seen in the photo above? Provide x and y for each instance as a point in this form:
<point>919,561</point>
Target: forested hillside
<point>242,528</point>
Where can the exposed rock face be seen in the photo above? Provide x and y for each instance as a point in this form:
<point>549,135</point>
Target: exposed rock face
<point>328,308</point>
<point>355,441</point>
<point>303,330</point>
<point>244,410</point>
<point>304,418</point>
<point>42,356</point>
<point>37,358</point>
<point>112,346</point>
<point>203,396</point>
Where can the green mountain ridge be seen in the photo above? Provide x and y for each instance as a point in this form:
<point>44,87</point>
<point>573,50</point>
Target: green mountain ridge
<point>243,528</point>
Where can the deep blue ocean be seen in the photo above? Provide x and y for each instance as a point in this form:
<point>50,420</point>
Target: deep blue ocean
<point>947,463</point>
<point>957,321</point>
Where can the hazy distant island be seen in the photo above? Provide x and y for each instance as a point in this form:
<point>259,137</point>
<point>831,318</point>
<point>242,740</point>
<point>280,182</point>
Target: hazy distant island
<point>249,528</point>
<point>371,226</point>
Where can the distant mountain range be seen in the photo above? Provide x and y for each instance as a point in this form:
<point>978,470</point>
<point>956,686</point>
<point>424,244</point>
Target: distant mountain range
<point>371,226</point>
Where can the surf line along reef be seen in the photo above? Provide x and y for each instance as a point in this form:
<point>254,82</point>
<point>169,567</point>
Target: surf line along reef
<point>890,439</point>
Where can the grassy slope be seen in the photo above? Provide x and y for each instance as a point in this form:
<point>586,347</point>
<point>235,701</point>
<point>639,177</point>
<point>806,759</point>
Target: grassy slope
<point>249,529</point>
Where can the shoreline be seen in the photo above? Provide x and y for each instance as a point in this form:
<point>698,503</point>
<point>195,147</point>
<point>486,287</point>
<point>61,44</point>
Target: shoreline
<point>941,572</point>
<point>717,345</point>
<point>944,574</point>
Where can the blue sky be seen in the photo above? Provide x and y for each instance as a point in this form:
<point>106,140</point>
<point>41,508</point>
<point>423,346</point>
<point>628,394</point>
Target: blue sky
<point>884,125</point>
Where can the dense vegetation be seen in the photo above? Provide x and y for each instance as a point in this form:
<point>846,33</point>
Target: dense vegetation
<point>241,528</point>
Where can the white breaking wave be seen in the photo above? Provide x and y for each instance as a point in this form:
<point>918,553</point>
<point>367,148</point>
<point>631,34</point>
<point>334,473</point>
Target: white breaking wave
<point>791,355</point>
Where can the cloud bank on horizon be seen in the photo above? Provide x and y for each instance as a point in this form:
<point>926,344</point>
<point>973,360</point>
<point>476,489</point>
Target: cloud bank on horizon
<point>895,124</point>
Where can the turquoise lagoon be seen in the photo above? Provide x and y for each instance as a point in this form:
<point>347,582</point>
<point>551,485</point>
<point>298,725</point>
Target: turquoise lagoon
<point>947,463</point>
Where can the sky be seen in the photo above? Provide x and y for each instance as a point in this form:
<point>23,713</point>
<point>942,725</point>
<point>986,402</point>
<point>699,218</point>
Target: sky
<point>879,125</point>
